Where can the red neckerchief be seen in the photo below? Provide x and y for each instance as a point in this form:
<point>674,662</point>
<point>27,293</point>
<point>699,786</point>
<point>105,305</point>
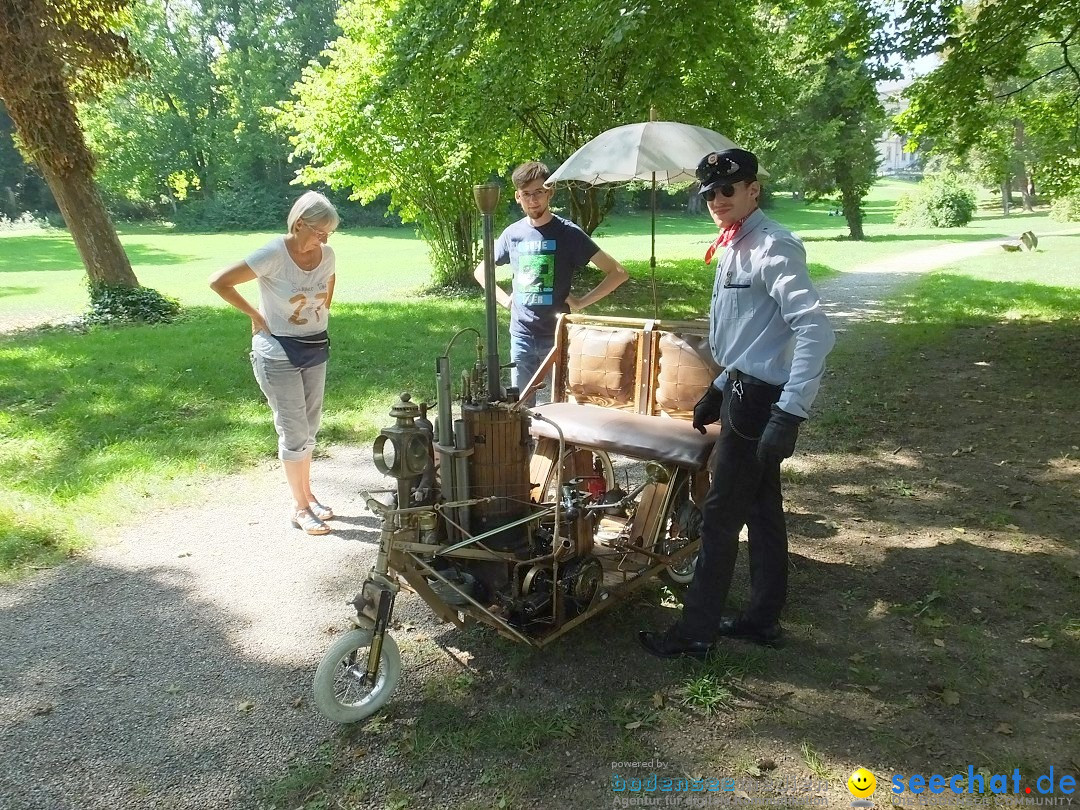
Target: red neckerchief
<point>726,237</point>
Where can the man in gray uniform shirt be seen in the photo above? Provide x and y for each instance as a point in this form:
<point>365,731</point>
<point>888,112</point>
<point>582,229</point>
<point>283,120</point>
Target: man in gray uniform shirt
<point>769,334</point>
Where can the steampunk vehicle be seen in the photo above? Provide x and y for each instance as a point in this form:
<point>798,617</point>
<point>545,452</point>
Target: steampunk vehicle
<point>512,515</point>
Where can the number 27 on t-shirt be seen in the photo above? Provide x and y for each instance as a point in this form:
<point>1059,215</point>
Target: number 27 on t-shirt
<point>301,301</point>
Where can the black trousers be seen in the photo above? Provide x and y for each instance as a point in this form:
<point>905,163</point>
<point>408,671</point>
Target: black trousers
<point>744,492</point>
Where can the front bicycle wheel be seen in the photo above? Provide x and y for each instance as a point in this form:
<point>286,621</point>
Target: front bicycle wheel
<point>342,691</point>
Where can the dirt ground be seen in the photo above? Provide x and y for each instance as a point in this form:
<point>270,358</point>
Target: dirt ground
<point>933,621</point>
<point>932,628</point>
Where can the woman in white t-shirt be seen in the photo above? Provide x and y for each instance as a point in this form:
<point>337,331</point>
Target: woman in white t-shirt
<point>289,342</point>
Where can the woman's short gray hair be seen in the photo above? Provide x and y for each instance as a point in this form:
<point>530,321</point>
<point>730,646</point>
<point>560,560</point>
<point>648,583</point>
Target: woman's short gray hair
<point>315,210</point>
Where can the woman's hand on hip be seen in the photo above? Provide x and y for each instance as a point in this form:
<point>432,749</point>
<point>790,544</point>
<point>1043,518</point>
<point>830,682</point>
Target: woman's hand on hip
<point>258,324</point>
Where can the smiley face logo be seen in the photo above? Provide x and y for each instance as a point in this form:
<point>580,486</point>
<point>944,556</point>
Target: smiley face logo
<point>861,783</point>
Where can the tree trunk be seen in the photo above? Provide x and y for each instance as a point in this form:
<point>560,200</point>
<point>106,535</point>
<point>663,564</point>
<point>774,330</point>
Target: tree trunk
<point>50,130</point>
<point>1019,139</point>
<point>464,249</point>
<point>91,229</point>
<point>695,204</point>
<point>1006,196</point>
<point>586,207</point>
<point>852,204</point>
<point>1027,191</point>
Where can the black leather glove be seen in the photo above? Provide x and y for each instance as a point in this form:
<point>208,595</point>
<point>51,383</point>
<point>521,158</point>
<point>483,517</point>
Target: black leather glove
<point>708,408</point>
<point>777,441</point>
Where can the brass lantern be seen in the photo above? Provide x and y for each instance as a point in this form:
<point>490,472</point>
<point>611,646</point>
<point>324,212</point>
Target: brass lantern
<point>407,455</point>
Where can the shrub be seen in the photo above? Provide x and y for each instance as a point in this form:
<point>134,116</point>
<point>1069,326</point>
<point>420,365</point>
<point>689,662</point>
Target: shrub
<point>1067,208</point>
<point>265,209</point>
<point>234,209</point>
<point>112,304</point>
<point>26,221</point>
<point>943,201</point>
<point>376,214</point>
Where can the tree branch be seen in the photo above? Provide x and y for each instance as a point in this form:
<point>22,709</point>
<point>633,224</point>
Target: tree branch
<point>1012,93</point>
<point>1062,42</point>
<point>1065,56</point>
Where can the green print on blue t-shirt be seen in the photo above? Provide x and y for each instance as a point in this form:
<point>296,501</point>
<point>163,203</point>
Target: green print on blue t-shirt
<point>535,281</point>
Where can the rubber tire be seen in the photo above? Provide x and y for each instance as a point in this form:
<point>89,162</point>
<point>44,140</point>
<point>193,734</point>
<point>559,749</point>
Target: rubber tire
<point>669,573</point>
<point>609,468</point>
<point>326,700</point>
<point>678,577</point>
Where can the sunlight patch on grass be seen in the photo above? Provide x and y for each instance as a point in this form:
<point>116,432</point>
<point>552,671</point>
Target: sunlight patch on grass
<point>114,411</point>
<point>948,299</point>
<point>33,534</point>
<point>43,273</point>
<point>89,418</point>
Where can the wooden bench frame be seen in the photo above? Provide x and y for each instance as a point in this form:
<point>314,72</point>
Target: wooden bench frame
<point>643,404</point>
<point>646,367</point>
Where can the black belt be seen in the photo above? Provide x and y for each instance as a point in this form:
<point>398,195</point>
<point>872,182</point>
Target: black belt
<point>735,374</point>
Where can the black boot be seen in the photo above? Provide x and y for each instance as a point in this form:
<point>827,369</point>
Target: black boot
<point>672,644</point>
<point>738,627</point>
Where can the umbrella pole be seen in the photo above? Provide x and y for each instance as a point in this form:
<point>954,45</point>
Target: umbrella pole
<point>652,255</point>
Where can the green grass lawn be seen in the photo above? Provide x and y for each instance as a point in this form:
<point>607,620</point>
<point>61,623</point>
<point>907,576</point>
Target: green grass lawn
<point>124,419</point>
<point>119,420</point>
<point>1007,289</point>
<point>1056,261</point>
<point>41,274</point>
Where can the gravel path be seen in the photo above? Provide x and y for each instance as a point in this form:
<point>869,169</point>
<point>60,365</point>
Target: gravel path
<point>859,294</point>
<point>171,667</point>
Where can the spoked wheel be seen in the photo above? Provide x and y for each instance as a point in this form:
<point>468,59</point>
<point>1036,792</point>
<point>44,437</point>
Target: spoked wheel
<point>585,463</point>
<point>606,469</point>
<point>683,526</point>
<point>342,693</point>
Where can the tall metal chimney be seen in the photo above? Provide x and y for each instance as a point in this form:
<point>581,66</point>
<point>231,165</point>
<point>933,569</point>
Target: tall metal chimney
<point>487,197</point>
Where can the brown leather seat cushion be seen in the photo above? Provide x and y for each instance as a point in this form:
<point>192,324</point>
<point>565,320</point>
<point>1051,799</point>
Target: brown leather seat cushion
<point>685,372</point>
<point>600,364</point>
<point>672,441</point>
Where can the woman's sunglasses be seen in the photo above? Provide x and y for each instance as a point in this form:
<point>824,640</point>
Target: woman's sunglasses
<point>723,188</point>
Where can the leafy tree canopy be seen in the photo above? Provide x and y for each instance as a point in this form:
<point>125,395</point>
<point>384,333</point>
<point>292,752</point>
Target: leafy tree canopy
<point>1011,59</point>
<point>423,98</point>
<point>53,52</point>
<point>827,58</point>
<point>200,120</point>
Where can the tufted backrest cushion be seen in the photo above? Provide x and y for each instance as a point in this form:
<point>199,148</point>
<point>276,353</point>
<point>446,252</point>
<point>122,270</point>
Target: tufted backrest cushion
<point>600,364</point>
<point>686,368</point>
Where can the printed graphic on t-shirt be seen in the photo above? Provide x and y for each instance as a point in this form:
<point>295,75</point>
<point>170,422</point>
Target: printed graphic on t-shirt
<point>534,282</point>
<point>303,301</point>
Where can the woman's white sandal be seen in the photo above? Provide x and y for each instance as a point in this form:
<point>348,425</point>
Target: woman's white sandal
<point>320,511</point>
<point>304,519</point>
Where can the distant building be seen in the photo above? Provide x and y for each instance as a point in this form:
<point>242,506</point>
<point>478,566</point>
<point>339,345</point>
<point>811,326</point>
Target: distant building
<point>892,159</point>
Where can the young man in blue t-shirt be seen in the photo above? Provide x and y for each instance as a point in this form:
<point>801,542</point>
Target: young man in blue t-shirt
<point>544,251</point>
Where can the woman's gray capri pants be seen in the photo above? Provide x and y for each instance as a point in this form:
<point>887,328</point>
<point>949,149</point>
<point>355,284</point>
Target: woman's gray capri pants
<point>295,395</point>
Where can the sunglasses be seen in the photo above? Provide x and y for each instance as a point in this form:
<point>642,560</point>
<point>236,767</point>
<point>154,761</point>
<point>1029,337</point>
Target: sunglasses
<point>724,188</point>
